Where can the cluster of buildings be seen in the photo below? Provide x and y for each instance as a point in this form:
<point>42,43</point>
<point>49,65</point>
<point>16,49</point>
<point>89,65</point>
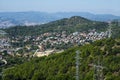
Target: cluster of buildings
<point>63,38</point>
<point>51,39</point>
<point>4,46</point>
<point>4,42</point>
<point>73,38</point>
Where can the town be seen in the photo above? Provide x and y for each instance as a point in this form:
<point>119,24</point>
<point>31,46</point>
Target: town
<point>47,43</point>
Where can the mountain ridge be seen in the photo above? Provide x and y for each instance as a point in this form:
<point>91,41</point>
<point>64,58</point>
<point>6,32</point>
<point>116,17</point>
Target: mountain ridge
<point>75,23</point>
<point>26,18</point>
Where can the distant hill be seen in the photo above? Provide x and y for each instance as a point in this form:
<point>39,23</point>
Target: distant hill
<point>96,17</point>
<point>69,25</point>
<point>8,19</point>
<point>99,60</point>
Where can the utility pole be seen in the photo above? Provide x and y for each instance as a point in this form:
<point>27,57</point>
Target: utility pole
<point>77,64</point>
<point>118,22</point>
<point>109,30</point>
<point>98,71</point>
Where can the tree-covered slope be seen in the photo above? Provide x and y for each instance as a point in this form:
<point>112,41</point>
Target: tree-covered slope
<point>72,24</point>
<point>63,66</point>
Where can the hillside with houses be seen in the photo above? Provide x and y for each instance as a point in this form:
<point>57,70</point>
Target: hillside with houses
<point>21,44</point>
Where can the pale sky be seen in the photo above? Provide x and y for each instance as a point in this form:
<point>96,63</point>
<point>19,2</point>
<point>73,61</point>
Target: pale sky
<point>93,6</point>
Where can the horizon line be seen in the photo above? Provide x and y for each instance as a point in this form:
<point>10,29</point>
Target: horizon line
<point>61,12</point>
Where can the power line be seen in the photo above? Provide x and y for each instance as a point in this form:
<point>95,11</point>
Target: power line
<point>109,30</point>
<point>77,64</point>
<point>98,71</point>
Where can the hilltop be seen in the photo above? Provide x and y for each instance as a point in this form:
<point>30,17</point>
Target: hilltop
<point>70,25</point>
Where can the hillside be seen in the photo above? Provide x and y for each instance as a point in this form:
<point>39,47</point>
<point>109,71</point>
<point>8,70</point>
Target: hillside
<point>60,34</point>
<point>62,66</point>
<point>70,25</point>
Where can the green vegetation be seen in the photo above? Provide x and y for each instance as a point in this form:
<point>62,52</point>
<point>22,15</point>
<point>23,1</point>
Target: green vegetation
<point>2,33</point>
<point>116,28</point>
<point>62,66</point>
<point>69,25</point>
<point>11,61</point>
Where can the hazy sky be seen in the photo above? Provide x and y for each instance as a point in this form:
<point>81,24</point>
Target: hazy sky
<point>93,6</point>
